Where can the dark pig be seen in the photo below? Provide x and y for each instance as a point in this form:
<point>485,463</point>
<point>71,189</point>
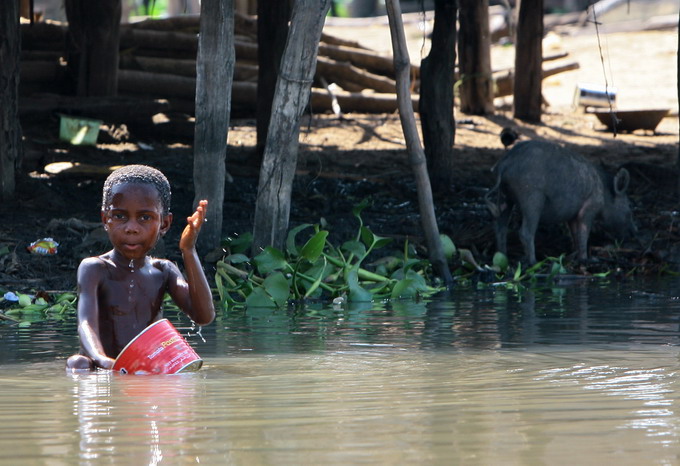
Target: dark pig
<point>551,184</point>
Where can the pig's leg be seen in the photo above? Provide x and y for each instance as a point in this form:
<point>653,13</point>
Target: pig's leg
<point>580,230</point>
<point>579,234</point>
<point>501,226</point>
<point>531,208</point>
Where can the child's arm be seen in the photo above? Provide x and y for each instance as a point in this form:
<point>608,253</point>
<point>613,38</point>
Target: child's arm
<point>89,275</point>
<point>193,296</point>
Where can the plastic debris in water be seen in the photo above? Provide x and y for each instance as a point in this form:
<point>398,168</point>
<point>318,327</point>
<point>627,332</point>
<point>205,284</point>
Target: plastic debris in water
<point>45,247</point>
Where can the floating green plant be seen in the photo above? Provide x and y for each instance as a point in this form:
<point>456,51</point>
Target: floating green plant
<point>316,269</point>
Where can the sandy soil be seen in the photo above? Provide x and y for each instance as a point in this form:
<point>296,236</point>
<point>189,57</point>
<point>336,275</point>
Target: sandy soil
<point>342,161</point>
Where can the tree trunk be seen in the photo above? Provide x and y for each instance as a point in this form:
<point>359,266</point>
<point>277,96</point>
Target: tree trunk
<point>94,29</point>
<point>293,86</point>
<point>416,154</point>
<point>528,61</point>
<point>437,74</point>
<point>474,48</point>
<point>10,130</point>
<point>214,73</point>
<point>272,27</point>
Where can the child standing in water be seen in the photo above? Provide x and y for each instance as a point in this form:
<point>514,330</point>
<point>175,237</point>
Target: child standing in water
<point>120,292</point>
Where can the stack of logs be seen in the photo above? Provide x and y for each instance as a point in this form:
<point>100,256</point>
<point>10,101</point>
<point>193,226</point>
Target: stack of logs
<point>158,60</point>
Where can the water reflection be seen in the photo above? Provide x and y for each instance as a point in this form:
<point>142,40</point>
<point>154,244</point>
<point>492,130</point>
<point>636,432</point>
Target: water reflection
<point>583,372</point>
<point>133,417</point>
<point>362,404</point>
<point>493,318</point>
<point>582,313</point>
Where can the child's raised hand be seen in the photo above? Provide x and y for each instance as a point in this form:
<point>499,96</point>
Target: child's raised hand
<point>194,224</point>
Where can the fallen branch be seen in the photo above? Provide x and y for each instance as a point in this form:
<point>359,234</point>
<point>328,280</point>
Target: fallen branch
<point>112,108</point>
<point>503,83</point>
<point>344,72</point>
<point>371,61</point>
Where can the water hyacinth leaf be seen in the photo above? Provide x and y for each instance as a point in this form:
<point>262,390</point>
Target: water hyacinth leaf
<point>291,246</point>
<point>314,247</point>
<point>410,263</point>
<point>518,271</point>
<point>373,241</point>
<point>418,280</point>
<point>240,243</point>
<point>387,263</point>
<point>34,310</point>
<point>25,300</point>
<point>500,261</point>
<point>448,246</point>
<point>356,210</point>
<point>269,260</point>
<point>237,258</point>
<point>557,267</point>
<point>259,298</point>
<point>314,286</point>
<point>366,236</point>
<point>70,297</point>
<point>379,289</point>
<point>468,258</point>
<point>355,247</point>
<point>356,292</point>
<point>404,289</point>
<point>277,287</point>
<point>221,291</point>
<point>534,268</point>
<point>319,268</point>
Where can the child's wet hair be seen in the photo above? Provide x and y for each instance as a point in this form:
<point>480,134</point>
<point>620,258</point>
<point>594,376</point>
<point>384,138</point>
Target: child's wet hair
<point>142,174</point>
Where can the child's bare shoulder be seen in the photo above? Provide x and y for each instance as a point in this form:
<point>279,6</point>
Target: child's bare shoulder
<point>164,265</point>
<point>95,262</point>
<point>92,269</point>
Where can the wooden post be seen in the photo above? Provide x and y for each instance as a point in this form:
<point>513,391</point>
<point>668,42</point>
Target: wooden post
<point>677,57</point>
<point>416,154</point>
<point>474,46</point>
<point>272,208</point>
<point>10,130</point>
<point>94,29</point>
<point>437,74</point>
<point>528,61</point>
<point>214,74</point>
<point>272,30</point>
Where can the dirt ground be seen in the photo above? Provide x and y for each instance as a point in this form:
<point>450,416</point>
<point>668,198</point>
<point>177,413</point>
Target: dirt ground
<point>344,160</point>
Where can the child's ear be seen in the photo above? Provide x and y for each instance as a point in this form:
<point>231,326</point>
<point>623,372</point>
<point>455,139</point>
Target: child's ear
<point>104,219</point>
<point>165,223</point>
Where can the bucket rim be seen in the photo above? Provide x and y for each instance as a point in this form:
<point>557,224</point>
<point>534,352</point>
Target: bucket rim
<point>199,360</point>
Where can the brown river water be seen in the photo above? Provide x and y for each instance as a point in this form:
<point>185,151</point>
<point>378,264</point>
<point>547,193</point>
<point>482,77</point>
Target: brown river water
<point>585,373</point>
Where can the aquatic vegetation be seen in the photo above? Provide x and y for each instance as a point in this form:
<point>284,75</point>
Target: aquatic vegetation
<point>311,269</point>
<point>42,306</point>
<point>317,269</point>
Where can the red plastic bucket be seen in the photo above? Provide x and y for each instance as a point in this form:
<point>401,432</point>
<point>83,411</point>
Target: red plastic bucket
<point>158,349</point>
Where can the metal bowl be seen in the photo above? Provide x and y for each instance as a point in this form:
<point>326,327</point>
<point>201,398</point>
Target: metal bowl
<point>630,120</point>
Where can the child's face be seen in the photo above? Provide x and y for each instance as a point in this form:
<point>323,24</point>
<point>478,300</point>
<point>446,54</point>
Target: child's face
<point>134,220</point>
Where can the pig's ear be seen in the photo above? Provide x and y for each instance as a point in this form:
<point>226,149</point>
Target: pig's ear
<point>621,181</point>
